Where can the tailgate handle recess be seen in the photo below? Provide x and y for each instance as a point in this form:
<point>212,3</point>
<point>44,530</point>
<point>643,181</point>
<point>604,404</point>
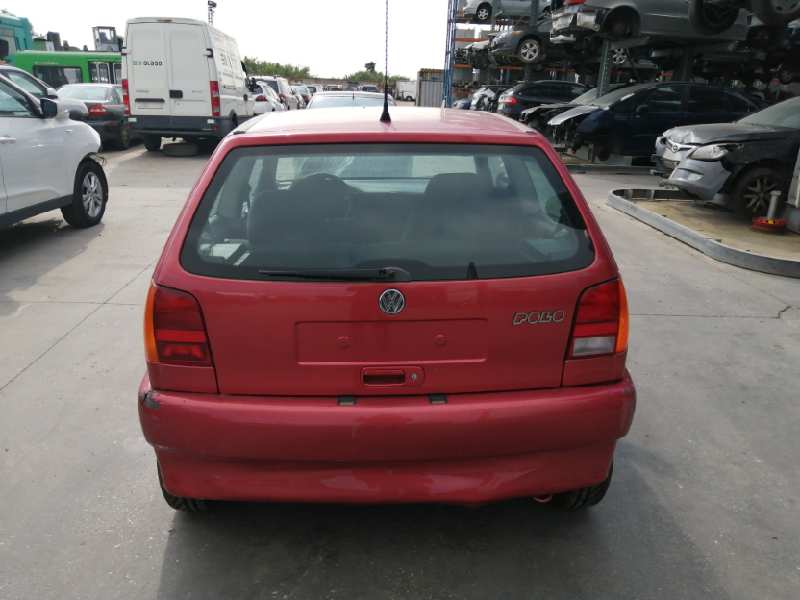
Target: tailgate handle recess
<point>150,100</point>
<point>392,376</point>
<point>384,376</point>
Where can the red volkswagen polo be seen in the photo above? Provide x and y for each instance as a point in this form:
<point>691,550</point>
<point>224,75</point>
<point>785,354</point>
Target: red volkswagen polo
<point>356,311</point>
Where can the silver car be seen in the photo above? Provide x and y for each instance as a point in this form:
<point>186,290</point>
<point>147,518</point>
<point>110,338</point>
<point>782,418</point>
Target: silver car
<point>481,11</point>
<point>621,19</point>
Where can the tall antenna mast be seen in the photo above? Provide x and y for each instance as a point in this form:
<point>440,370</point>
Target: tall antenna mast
<point>211,6</point>
<point>386,117</point>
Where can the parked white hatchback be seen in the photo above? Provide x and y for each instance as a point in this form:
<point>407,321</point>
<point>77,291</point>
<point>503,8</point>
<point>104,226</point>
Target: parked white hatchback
<point>48,161</point>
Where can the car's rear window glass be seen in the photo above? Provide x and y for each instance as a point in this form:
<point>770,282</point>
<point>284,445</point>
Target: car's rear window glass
<point>440,212</point>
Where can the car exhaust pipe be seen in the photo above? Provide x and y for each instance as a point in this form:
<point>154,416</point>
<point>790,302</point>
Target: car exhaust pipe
<point>543,499</point>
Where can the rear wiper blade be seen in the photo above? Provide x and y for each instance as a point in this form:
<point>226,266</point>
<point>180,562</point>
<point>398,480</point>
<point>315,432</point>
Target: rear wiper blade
<point>365,274</point>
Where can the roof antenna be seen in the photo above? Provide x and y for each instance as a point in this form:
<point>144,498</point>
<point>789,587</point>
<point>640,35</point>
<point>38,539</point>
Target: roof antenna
<point>386,117</point>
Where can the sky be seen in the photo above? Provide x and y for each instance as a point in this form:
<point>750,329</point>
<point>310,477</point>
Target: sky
<point>333,37</point>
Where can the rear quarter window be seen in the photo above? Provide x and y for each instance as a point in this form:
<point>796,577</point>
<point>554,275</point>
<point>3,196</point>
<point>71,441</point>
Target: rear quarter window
<point>441,212</point>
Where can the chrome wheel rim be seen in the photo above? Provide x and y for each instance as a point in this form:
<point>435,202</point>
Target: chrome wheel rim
<point>620,56</point>
<point>92,194</point>
<point>483,14</point>
<point>529,51</point>
<point>756,195</point>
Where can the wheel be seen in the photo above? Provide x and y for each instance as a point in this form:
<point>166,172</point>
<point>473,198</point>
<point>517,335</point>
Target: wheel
<point>711,17</point>
<point>188,505</point>
<point>619,56</point>
<point>530,51</point>
<point>124,140</point>
<point>583,498</point>
<point>776,12</point>
<point>152,143</point>
<point>621,25</point>
<point>89,196</point>
<point>751,194</point>
<point>484,13</point>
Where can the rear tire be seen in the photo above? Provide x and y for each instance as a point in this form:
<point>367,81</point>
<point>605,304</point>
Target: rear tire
<point>187,505</point>
<point>89,196</point>
<point>152,143</point>
<point>712,18</point>
<point>124,140</point>
<point>583,498</point>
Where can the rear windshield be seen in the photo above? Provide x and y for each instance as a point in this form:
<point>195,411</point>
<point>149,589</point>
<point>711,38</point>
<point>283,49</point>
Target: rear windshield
<point>85,92</point>
<point>439,212</point>
<point>347,100</point>
<point>272,84</point>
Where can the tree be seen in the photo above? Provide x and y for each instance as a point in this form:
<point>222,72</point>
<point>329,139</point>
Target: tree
<point>375,77</point>
<point>370,67</point>
<point>259,67</point>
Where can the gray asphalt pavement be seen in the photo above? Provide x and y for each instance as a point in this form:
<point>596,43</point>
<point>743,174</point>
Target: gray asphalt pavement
<point>704,502</point>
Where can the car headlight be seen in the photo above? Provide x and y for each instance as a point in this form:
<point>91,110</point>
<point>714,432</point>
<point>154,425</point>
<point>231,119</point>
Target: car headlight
<point>713,152</point>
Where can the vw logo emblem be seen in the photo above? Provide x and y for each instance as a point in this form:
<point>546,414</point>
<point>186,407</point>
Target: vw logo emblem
<point>392,302</point>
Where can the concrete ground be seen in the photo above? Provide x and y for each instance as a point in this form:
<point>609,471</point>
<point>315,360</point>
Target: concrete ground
<point>704,502</point>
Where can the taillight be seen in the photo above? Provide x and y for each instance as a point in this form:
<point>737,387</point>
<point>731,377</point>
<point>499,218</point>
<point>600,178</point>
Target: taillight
<point>96,109</point>
<point>601,321</point>
<point>261,98</point>
<point>174,330</point>
<point>573,2</point>
<point>215,102</point>
<point>508,100</point>
<point>126,99</point>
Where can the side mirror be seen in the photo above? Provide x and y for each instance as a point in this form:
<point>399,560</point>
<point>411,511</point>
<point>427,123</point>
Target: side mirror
<point>49,108</point>
<point>51,93</point>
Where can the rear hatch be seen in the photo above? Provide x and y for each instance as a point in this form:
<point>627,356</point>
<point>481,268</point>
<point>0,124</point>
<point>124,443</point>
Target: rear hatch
<point>368,269</point>
<point>168,69</point>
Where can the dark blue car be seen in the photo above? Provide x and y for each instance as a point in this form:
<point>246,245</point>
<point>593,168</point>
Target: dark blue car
<point>628,120</point>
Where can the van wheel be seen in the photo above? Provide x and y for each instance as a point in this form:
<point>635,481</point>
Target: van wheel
<point>124,139</point>
<point>89,196</point>
<point>152,143</point>
<point>584,497</point>
<point>188,505</point>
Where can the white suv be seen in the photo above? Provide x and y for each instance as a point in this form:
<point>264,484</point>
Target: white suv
<point>47,161</point>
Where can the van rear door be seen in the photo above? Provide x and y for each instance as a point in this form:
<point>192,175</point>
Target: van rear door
<point>189,71</point>
<point>168,69</point>
<point>147,61</point>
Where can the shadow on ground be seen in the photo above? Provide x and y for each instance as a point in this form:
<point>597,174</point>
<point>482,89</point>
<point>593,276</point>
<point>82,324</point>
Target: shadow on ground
<point>33,248</point>
<point>628,547</point>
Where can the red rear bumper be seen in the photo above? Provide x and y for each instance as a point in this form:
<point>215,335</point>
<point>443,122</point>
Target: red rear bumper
<point>475,448</point>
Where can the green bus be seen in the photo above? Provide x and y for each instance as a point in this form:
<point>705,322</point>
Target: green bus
<point>61,68</point>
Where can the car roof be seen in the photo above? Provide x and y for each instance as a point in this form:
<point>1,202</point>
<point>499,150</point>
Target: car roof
<point>407,122</point>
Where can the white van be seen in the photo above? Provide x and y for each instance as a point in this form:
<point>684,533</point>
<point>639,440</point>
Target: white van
<point>183,78</point>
